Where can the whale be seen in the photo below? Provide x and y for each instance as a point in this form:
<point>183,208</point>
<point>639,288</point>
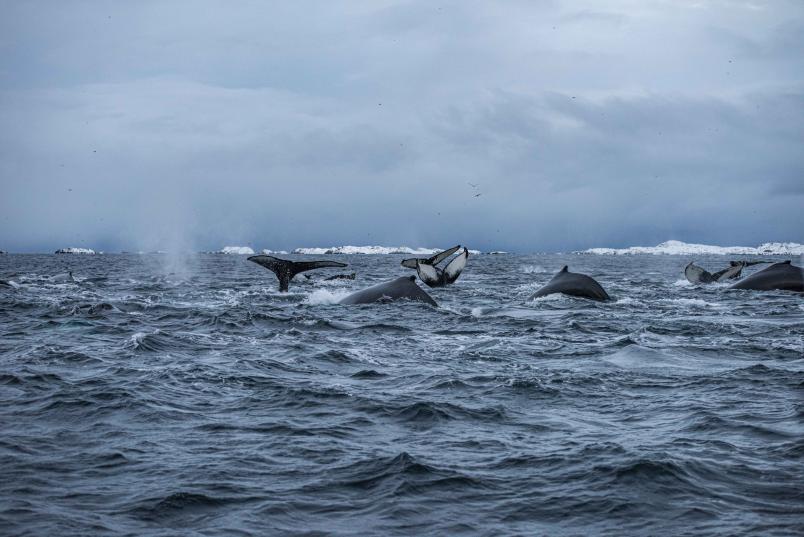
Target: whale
<point>401,288</point>
<point>572,284</point>
<point>433,276</point>
<point>350,276</point>
<point>433,260</point>
<point>696,274</point>
<point>285,269</point>
<point>782,276</point>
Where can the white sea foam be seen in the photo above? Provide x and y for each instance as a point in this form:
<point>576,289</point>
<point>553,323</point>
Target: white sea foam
<point>74,250</point>
<point>238,250</point>
<point>695,302</point>
<point>683,248</point>
<point>533,269</point>
<point>325,296</point>
<point>373,250</point>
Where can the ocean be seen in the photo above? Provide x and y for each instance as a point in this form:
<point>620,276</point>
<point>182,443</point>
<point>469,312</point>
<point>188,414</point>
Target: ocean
<point>183,395</point>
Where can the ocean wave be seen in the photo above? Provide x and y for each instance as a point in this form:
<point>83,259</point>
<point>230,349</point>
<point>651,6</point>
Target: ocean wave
<point>397,475</point>
<point>534,269</point>
<point>694,302</point>
<point>177,503</point>
<point>430,413</point>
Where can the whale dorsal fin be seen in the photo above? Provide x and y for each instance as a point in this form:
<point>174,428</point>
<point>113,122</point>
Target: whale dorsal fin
<point>565,268</point>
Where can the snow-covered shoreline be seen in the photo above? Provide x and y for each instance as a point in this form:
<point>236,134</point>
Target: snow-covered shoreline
<point>236,250</point>
<point>682,248</point>
<point>74,250</point>
<point>372,250</point>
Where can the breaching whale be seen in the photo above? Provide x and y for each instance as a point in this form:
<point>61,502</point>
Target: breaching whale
<point>783,276</point>
<point>570,283</point>
<point>404,287</point>
<point>696,274</point>
<point>433,276</point>
<point>285,269</point>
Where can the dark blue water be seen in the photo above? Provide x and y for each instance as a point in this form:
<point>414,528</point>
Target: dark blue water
<point>185,396</point>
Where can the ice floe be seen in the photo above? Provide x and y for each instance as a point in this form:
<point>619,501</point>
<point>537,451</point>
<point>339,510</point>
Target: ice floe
<point>683,248</point>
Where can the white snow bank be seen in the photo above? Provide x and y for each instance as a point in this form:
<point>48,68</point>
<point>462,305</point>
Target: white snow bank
<point>75,251</point>
<point>239,250</point>
<point>683,248</point>
<point>373,250</point>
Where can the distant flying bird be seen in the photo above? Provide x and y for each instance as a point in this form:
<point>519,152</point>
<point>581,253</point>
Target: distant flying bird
<point>478,195</point>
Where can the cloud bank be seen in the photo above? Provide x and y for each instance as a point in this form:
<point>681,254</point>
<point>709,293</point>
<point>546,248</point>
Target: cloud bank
<point>519,126</point>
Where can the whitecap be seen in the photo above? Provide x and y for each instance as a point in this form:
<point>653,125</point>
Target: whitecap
<point>696,302</point>
<point>533,269</point>
<point>325,296</point>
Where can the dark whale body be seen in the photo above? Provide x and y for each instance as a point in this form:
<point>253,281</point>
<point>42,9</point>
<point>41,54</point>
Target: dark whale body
<point>779,276</point>
<point>285,269</point>
<point>570,283</point>
<point>400,288</point>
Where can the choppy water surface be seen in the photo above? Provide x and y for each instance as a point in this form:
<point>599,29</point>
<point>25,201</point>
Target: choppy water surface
<point>179,396</point>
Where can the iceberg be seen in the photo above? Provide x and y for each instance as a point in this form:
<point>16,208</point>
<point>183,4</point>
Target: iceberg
<point>372,250</point>
<point>368,250</point>
<point>75,251</point>
<point>683,248</point>
<point>272,252</point>
<point>238,250</point>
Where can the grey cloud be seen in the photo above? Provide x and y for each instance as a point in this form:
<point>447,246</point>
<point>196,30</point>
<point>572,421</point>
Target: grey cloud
<point>198,125</point>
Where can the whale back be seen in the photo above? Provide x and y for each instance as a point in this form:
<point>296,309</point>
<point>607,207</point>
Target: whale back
<point>573,284</point>
<point>782,276</point>
<point>401,288</point>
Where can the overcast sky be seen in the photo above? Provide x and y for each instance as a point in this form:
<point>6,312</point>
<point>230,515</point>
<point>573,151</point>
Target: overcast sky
<point>195,125</point>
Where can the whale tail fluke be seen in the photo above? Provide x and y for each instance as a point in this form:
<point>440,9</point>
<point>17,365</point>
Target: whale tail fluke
<point>456,266</point>
<point>412,262</point>
<point>428,274</point>
<point>285,270</point>
<point>696,274</point>
<point>730,273</point>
